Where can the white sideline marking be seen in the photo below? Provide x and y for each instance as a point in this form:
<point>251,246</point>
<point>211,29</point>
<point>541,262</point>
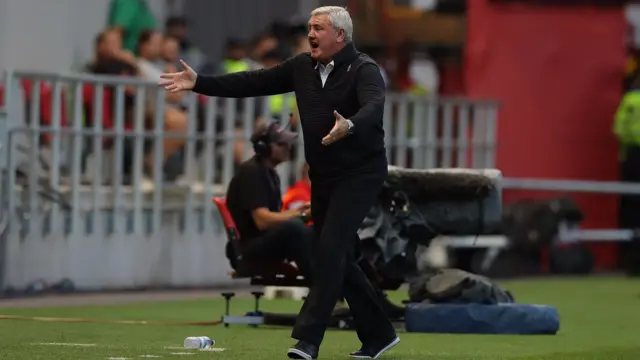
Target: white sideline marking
<point>181,353</point>
<point>213,349</point>
<point>150,356</point>
<point>65,344</point>
<point>117,358</point>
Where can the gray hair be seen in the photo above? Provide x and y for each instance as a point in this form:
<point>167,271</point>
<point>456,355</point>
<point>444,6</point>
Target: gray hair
<point>339,18</point>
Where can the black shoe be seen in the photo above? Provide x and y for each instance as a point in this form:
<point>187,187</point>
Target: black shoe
<point>373,351</point>
<point>303,350</point>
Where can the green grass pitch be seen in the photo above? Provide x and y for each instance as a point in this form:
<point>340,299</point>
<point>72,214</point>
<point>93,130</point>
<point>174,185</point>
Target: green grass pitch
<point>600,319</point>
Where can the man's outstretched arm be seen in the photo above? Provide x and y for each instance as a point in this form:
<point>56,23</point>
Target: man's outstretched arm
<point>263,82</point>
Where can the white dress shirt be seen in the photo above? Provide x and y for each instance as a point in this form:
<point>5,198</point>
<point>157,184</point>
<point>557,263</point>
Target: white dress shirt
<point>325,70</point>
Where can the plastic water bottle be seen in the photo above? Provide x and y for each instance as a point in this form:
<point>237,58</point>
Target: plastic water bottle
<point>198,342</point>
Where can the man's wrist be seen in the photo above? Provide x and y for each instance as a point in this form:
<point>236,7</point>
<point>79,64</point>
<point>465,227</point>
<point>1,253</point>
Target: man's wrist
<point>195,84</point>
<point>304,215</point>
<point>350,127</point>
<point>295,212</point>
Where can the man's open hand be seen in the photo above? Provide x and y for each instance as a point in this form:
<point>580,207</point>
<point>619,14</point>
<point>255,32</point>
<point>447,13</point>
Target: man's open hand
<point>179,81</point>
<point>339,131</point>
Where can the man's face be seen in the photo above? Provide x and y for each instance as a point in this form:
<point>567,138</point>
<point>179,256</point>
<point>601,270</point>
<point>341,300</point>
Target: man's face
<point>280,151</point>
<point>264,46</point>
<point>237,53</point>
<point>323,38</point>
<point>153,47</point>
<point>110,45</point>
<point>170,50</point>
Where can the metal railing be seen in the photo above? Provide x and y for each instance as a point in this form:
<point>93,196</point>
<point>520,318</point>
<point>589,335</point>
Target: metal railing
<point>582,186</point>
<point>91,186</point>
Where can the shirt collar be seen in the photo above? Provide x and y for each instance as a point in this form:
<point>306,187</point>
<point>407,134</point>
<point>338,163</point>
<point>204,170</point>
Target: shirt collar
<point>331,64</point>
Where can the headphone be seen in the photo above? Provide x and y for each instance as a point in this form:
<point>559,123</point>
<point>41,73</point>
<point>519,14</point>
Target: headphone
<point>262,143</point>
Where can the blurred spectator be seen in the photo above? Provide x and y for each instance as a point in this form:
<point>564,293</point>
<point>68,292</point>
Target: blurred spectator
<point>176,27</point>
<point>170,52</point>
<point>149,61</point>
<point>111,59</point>
<point>405,81</point>
<point>264,43</point>
<point>235,59</point>
<point>131,18</point>
<point>282,104</point>
<point>108,48</point>
<point>114,67</point>
<point>626,128</point>
<point>424,71</point>
<point>150,66</point>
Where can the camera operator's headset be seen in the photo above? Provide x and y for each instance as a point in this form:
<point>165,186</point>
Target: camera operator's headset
<point>262,143</point>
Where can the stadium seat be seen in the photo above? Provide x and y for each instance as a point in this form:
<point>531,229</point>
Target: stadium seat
<point>264,274</point>
<point>45,106</point>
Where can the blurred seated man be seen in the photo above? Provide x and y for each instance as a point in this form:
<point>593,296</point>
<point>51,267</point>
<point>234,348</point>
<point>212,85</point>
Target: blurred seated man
<point>108,49</point>
<point>268,234</point>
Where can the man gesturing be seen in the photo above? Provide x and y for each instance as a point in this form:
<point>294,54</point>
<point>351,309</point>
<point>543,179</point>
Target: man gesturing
<point>340,95</point>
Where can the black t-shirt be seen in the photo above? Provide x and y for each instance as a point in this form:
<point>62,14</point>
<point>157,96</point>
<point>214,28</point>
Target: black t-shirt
<point>253,186</point>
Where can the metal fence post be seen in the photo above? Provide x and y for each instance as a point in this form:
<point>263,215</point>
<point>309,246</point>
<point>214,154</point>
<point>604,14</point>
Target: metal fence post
<point>4,188</point>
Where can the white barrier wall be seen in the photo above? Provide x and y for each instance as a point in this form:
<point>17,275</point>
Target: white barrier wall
<point>169,257</point>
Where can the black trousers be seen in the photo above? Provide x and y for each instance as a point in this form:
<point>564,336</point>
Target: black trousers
<point>289,240</point>
<point>338,208</point>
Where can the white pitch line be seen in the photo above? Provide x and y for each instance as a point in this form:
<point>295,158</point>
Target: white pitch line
<point>150,356</point>
<point>65,344</point>
<point>181,353</point>
<point>213,349</point>
<point>117,358</point>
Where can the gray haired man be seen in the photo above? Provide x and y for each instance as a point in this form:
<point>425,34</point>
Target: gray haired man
<point>340,95</point>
